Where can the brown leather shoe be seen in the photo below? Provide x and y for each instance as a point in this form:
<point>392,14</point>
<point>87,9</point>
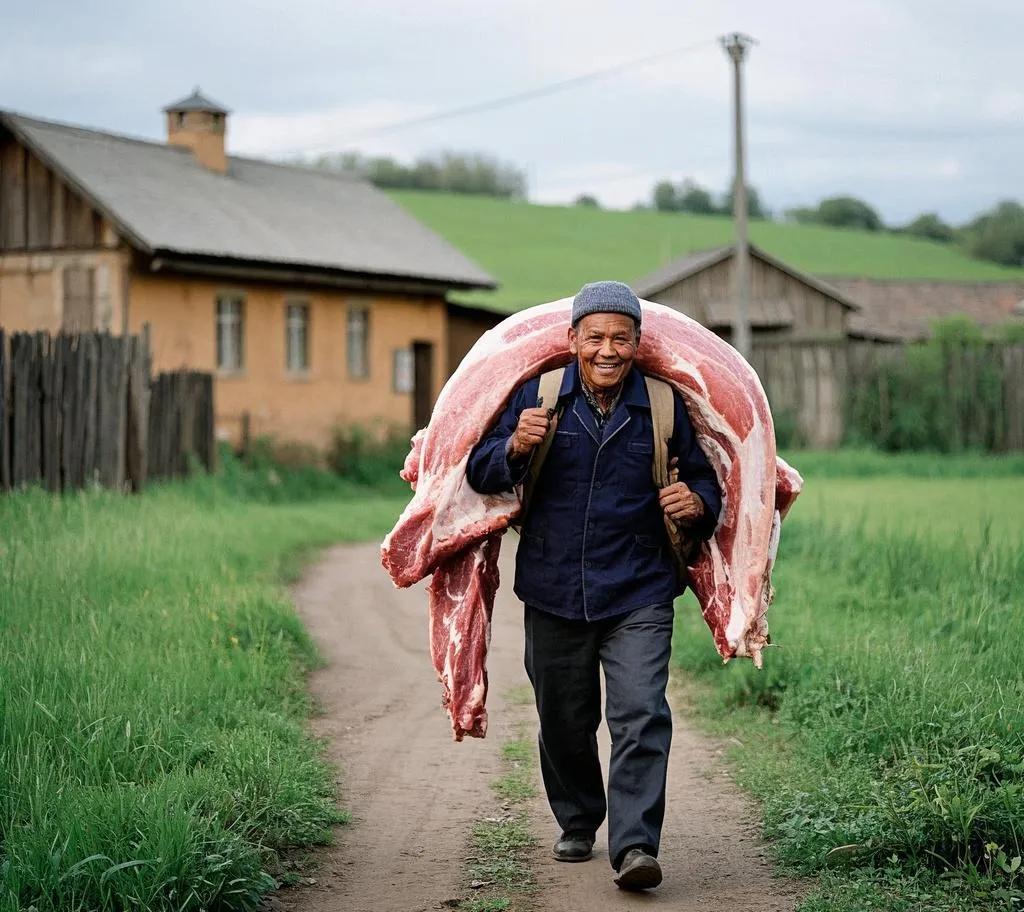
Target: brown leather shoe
<point>574,845</point>
<point>638,871</point>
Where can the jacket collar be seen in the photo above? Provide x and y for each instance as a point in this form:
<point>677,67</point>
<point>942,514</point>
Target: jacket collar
<point>634,390</point>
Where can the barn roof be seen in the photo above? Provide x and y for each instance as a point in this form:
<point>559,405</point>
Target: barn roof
<point>691,263</point>
<point>906,309</point>
<point>164,202</point>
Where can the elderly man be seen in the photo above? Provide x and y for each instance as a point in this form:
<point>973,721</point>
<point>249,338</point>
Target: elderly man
<point>597,577</point>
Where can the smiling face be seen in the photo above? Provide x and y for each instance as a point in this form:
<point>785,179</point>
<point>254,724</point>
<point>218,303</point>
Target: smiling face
<point>605,345</point>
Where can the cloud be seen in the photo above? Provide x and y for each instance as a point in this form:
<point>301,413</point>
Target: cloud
<point>324,131</point>
<point>912,104</point>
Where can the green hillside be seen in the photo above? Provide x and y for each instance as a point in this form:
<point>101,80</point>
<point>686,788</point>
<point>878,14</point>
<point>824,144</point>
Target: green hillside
<point>540,253</point>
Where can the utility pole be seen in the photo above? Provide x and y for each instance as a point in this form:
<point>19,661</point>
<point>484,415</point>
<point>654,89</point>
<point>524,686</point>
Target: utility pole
<point>736,46</point>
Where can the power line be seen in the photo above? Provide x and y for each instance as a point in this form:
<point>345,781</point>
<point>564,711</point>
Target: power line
<point>505,101</point>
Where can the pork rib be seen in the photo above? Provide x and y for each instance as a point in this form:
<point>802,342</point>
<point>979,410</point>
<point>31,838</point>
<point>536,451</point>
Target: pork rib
<point>450,530</point>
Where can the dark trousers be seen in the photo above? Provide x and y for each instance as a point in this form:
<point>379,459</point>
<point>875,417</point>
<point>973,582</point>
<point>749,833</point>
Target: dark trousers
<point>563,658</point>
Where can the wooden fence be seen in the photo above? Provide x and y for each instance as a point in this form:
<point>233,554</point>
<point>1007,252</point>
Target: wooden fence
<point>180,423</point>
<point>816,387</point>
<point>80,408</point>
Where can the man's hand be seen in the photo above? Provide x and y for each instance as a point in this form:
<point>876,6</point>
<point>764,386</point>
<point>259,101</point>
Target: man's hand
<point>680,504</point>
<point>532,427</point>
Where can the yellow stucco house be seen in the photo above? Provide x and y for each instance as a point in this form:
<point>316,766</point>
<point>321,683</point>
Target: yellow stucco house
<point>315,300</point>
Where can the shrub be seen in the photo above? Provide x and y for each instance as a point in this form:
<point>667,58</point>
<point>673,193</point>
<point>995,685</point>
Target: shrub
<point>358,454</point>
<point>945,394</point>
<point>998,235</point>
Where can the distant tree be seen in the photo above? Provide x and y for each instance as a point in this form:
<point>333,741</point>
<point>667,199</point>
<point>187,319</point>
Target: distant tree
<point>427,174</point>
<point>587,201</point>
<point>386,172</point>
<point>694,198</point>
<point>848,212</point>
<point>805,215</point>
<point>665,197</point>
<point>755,209</point>
<point>840,212</point>
<point>998,235</point>
<point>455,171</point>
<point>929,225</point>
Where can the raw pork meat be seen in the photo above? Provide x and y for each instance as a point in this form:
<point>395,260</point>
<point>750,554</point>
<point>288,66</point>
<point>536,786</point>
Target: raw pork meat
<point>451,531</point>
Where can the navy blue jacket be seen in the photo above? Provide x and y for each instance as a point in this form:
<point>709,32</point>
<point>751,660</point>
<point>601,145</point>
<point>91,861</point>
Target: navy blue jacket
<point>594,543</point>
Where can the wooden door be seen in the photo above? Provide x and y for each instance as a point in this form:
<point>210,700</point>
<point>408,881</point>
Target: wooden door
<point>423,387</point>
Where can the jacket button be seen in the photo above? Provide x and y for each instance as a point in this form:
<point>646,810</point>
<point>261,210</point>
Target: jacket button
<point>587,565</point>
<point>597,484</point>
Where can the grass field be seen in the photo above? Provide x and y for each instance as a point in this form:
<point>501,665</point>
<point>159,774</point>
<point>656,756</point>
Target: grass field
<point>153,753</point>
<point>540,253</point>
<point>891,719</point>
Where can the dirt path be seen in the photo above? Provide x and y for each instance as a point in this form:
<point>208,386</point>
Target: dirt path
<point>415,795</point>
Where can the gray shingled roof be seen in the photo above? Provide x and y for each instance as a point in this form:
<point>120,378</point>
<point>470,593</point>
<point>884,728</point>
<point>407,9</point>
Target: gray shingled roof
<point>164,201</point>
<point>197,101</point>
<point>687,265</point>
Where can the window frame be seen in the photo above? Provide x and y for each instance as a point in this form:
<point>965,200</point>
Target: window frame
<point>290,369</point>
<point>223,298</point>
<point>409,370</point>
<point>352,373</point>
<point>79,298</point>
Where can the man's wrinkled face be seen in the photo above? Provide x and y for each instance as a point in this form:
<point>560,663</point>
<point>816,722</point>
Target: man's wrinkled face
<point>605,345</point>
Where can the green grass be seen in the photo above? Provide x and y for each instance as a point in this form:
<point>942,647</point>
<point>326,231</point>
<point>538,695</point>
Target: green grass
<point>891,718</point>
<point>153,749</point>
<point>500,848</point>
<point>499,860</point>
<point>517,785</point>
<point>486,905</point>
<point>854,463</point>
<point>539,253</point>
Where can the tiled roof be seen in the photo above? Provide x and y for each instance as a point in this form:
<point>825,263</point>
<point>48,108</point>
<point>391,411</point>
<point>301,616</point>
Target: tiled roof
<point>906,309</point>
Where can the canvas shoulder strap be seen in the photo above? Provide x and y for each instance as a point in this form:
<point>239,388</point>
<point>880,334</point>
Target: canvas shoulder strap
<point>663,416</point>
<point>547,395</point>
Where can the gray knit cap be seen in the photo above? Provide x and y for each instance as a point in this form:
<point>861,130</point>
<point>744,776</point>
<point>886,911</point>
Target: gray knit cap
<point>605,297</point>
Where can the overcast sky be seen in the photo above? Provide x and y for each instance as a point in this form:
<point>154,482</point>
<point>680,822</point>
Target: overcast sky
<point>912,105</point>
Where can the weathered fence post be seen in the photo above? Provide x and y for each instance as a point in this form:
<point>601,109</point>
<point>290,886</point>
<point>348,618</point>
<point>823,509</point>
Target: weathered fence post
<point>5,431</point>
<point>137,405</point>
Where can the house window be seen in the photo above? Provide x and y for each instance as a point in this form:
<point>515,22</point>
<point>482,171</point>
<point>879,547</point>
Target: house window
<point>230,332</point>
<point>296,337</point>
<point>402,370</point>
<point>358,341</point>
<point>79,299</point>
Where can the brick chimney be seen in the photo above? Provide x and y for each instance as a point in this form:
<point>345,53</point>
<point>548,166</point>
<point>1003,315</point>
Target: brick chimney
<point>199,124</point>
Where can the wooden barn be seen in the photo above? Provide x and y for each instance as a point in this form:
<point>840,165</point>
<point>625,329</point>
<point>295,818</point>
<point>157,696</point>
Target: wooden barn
<point>799,330</point>
<point>784,302</point>
<point>315,300</point>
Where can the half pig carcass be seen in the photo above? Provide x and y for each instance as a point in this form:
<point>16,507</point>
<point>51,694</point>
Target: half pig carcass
<point>454,533</point>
